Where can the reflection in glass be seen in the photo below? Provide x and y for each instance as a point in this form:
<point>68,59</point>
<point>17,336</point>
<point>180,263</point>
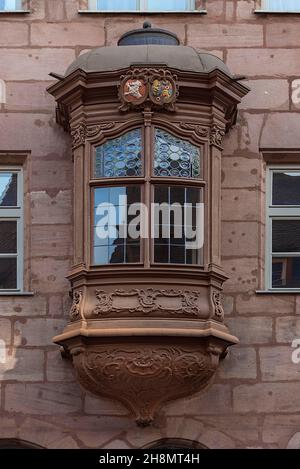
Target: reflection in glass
<point>175,157</point>
<point>8,237</point>
<point>286,235</point>
<point>120,157</point>
<point>8,189</point>
<point>168,5</point>
<point>286,188</point>
<point>172,237</point>
<point>112,241</point>
<point>8,273</point>
<point>117,5</point>
<point>286,272</point>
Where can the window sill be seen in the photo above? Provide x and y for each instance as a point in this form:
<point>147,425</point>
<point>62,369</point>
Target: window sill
<point>130,12</point>
<point>14,12</point>
<point>275,12</point>
<point>16,293</point>
<point>295,291</point>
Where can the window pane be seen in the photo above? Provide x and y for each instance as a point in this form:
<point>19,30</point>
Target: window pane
<point>8,237</point>
<point>8,273</point>
<point>175,157</point>
<point>175,237</point>
<point>282,5</point>
<point>286,188</point>
<point>10,5</point>
<point>286,235</point>
<point>120,157</point>
<point>286,272</point>
<point>168,5</point>
<point>8,189</point>
<point>114,242</point>
<point>117,5</point>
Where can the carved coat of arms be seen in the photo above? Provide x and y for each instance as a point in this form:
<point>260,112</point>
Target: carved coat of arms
<point>156,87</point>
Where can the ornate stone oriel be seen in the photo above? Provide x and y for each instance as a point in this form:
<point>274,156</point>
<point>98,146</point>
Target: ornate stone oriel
<point>143,328</point>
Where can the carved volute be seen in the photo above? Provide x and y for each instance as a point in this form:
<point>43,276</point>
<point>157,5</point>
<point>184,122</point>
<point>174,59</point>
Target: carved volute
<point>147,122</point>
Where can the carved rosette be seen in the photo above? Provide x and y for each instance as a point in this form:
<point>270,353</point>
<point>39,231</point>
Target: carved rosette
<point>148,374</point>
<point>148,87</point>
<point>140,302</point>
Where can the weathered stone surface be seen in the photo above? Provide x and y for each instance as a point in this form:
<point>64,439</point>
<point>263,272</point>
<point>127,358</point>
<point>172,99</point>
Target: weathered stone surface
<point>253,330</point>
<point>14,34</point>
<point>43,399</point>
<point>51,208</point>
<point>226,35</point>
<point>51,174</point>
<point>251,127</point>
<point>55,305</point>
<point>239,172</point>
<point>267,398</point>
<point>214,439</point>
<point>240,206</point>
<point>282,34</point>
<point>280,428</point>
<point>22,365</point>
<point>242,428</point>
<point>58,368</point>
<point>23,306</point>
<point>51,240</point>
<point>68,34</point>
<point>240,363</point>
<point>267,94</point>
<point>29,97</point>
<point>287,329</point>
<point>276,364</point>
<point>49,275</point>
<point>267,304</point>
<point>280,130</point>
<point>5,330</point>
<point>245,9</point>
<point>240,237</point>
<point>99,406</point>
<point>37,331</point>
<point>243,274</point>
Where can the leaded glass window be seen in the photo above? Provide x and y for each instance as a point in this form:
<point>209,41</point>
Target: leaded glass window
<point>175,157</point>
<point>120,157</point>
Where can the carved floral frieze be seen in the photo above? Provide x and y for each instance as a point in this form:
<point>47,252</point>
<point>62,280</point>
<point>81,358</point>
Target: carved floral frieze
<point>137,302</point>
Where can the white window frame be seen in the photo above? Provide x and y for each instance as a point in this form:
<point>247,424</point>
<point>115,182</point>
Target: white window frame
<point>17,214</point>
<point>277,212</point>
<point>266,6</point>
<point>142,7</point>
<point>12,5</point>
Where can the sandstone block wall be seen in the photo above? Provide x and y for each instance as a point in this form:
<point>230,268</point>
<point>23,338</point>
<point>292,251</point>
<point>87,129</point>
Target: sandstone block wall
<point>254,401</point>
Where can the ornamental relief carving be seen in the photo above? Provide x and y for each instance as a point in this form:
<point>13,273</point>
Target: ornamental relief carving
<point>218,307</point>
<point>139,302</point>
<point>216,135</point>
<point>75,311</point>
<point>148,374</point>
<point>154,87</point>
<point>199,130</point>
<point>83,131</point>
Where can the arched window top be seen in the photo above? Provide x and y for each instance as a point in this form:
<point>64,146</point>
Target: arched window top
<point>121,156</point>
<point>175,157</point>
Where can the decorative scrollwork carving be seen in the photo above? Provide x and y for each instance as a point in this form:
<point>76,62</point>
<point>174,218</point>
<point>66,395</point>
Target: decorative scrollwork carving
<point>76,306</point>
<point>197,128</point>
<point>154,87</point>
<point>216,135</point>
<point>217,302</point>
<point>145,302</point>
<point>143,377</point>
<point>83,131</point>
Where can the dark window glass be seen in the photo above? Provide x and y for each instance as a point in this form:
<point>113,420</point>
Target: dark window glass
<point>8,189</point>
<point>8,237</point>
<point>120,157</point>
<point>8,273</point>
<point>286,235</point>
<point>174,225</point>
<point>175,157</point>
<point>286,272</point>
<point>114,243</point>
<point>286,188</point>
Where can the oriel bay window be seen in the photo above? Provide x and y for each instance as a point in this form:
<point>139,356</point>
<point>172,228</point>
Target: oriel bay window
<point>11,221</point>
<point>147,194</point>
<point>283,219</point>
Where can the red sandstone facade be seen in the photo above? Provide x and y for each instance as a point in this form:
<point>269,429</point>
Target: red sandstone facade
<point>254,401</point>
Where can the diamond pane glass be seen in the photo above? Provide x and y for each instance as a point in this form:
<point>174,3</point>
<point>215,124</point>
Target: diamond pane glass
<point>175,157</point>
<point>120,157</point>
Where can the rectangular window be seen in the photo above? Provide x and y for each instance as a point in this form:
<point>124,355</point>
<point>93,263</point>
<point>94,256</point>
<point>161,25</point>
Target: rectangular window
<point>281,5</point>
<point>142,5</point>
<point>11,229</point>
<point>283,228</point>
<point>10,5</point>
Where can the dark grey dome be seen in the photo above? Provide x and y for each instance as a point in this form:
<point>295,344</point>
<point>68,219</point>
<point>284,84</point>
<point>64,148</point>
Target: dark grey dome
<point>107,59</point>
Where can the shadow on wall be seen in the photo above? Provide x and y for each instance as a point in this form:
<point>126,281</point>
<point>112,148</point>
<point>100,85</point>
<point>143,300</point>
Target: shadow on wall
<point>13,443</point>
<point>175,443</point>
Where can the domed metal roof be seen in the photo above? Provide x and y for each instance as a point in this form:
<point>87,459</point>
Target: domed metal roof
<point>150,47</point>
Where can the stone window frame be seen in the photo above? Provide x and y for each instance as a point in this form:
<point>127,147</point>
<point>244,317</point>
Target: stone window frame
<point>282,161</point>
<point>90,6</point>
<point>22,6</point>
<point>262,8</point>
<point>20,160</point>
